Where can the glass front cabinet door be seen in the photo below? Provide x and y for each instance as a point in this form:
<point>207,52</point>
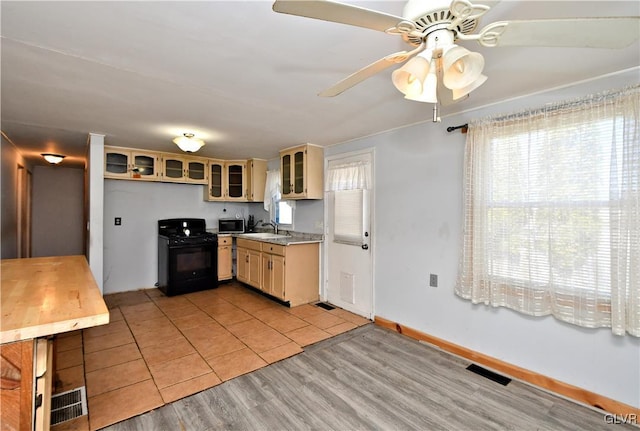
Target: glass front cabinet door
<point>236,178</point>
<point>301,169</point>
<point>197,171</point>
<point>130,164</point>
<point>216,187</point>
<point>173,168</point>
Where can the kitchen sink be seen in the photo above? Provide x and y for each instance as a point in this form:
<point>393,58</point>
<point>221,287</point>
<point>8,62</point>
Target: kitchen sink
<point>263,235</point>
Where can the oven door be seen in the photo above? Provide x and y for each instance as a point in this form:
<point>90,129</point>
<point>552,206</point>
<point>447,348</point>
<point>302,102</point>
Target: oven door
<point>185,268</point>
<point>188,262</point>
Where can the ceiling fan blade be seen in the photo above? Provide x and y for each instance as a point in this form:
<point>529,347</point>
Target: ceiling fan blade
<point>338,12</point>
<point>366,72</point>
<point>609,32</point>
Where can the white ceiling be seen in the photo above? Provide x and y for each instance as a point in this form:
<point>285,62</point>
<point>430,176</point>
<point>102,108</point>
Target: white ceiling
<point>241,76</point>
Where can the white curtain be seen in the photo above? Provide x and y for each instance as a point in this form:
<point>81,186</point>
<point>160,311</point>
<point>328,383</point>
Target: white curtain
<point>272,188</point>
<point>348,185</point>
<point>348,176</point>
<point>552,212</point>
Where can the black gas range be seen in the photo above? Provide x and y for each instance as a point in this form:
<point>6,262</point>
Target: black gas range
<point>187,256</point>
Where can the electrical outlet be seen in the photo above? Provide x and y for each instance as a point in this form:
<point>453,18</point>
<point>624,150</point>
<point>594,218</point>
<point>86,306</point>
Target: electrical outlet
<point>118,221</point>
<point>433,280</point>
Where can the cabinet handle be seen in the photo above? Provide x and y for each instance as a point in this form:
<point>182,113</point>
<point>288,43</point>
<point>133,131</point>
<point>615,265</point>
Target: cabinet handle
<point>247,258</point>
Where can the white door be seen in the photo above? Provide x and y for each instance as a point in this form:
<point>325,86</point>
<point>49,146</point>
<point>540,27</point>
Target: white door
<point>349,240</point>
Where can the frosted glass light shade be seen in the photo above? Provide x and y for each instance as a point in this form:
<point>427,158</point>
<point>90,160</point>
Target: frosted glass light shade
<point>54,159</point>
<point>429,92</point>
<point>410,77</point>
<point>188,143</point>
<point>461,67</point>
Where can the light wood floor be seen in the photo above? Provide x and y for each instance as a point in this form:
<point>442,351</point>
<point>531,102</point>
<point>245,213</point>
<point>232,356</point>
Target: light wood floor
<point>156,349</point>
<point>369,379</point>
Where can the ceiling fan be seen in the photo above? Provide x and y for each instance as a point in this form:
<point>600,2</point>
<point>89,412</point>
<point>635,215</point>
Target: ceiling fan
<point>440,71</point>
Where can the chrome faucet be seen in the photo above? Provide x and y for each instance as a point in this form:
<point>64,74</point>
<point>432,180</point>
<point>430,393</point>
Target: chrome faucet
<point>273,224</point>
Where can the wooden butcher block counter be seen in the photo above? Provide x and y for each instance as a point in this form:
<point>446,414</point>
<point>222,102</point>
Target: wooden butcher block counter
<point>48,295</point>
<point>40,297</point>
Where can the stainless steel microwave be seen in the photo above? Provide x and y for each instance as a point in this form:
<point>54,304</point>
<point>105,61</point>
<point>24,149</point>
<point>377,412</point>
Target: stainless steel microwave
<point>230,225</point>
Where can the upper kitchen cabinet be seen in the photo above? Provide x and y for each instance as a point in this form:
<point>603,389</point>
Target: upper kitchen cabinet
<point>301,169</point>
<point>256,179</point>
<point>236,180</point>
<point>236,176</point>
<point>217,187</point>
<point>126,163</point>
<point>227,181</point>
<point>176,168</point>
<point>197,170</point>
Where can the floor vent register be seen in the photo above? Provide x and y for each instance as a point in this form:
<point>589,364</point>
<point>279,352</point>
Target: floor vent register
<point>68,405</point>
<point>325,306</point>
<point>504,381</point>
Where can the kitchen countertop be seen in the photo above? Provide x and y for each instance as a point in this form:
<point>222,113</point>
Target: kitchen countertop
<point>292,238</point>
<point>48,295</point>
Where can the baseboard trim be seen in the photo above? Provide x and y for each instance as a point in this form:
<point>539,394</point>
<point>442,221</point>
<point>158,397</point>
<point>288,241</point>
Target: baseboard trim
<point>564,389</point>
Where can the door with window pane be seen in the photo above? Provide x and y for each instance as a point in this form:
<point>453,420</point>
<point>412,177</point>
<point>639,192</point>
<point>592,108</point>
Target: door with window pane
<point>349,243</point>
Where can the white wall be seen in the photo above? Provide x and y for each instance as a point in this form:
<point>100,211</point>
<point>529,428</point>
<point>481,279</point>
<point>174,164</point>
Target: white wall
<point>95,206</point>
<point>418,218</point>
<point>10,158</point>
<point>131,250</point>
<point>57,211</point>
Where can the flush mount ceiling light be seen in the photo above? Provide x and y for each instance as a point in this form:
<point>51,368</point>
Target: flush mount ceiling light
<point>54,159</point>
<point>188,143</point>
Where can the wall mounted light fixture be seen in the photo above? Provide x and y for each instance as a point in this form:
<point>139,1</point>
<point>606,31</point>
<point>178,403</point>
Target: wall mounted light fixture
<point>54,159</point>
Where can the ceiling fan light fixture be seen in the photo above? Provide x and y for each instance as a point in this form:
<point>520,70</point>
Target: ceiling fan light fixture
<point>459,93</point>
<point>54,159</point>
<point>409,78</point>
<point>188,143</point>
<point>429,92</point>
<point>461,67</point>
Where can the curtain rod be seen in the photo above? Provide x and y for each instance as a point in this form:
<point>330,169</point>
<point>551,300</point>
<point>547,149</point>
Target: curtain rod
<point>462,126</point>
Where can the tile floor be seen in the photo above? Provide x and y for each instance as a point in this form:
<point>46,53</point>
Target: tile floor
<point>158,349</point>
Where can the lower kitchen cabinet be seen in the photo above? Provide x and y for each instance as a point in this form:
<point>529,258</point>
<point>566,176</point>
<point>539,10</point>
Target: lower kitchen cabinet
<point>254,269</point>
<point>242,268</point>
<point>225,258</point>
<point>289,273</point>
<point>273,275</point>
<point>249,260</point>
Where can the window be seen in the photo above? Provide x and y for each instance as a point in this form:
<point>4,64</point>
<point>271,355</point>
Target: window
<point>350,216</point>
<point>552,212</point>
<point>348,184</point>
<point>283,214</point>
<point>279,211</point>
